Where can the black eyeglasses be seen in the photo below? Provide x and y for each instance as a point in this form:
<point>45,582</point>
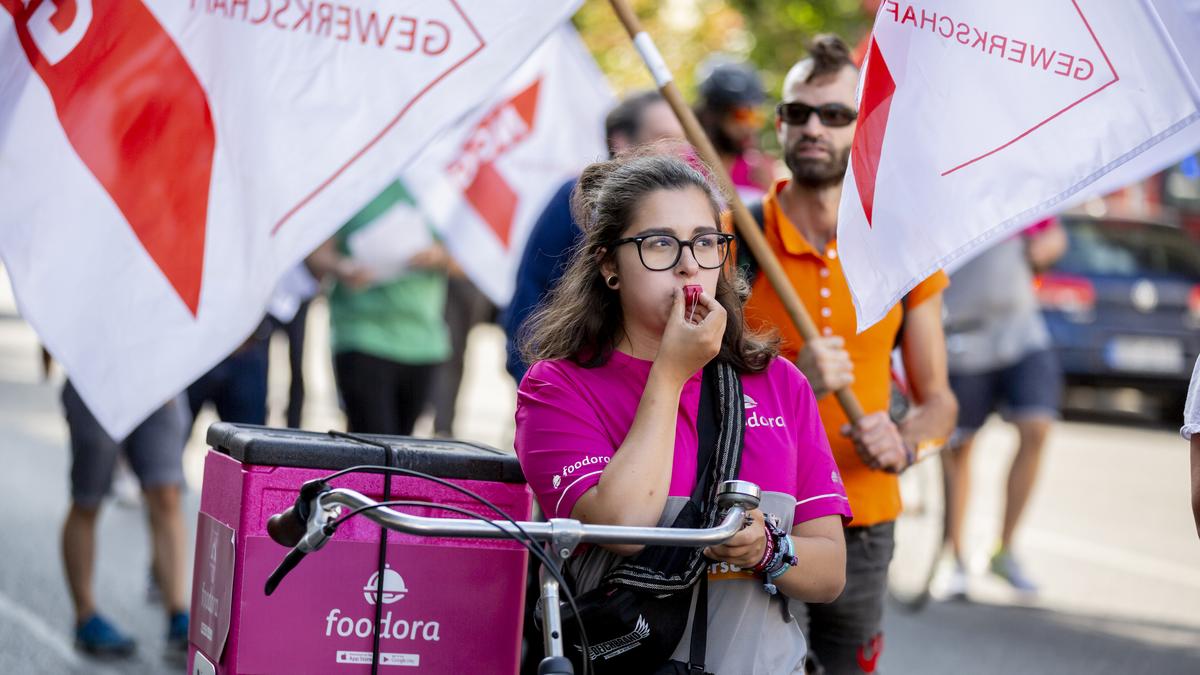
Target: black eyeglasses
<point>659,252</point>
<point>830,114</point>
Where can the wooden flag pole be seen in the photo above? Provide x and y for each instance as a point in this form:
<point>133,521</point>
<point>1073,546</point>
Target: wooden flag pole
<point>748,231</point>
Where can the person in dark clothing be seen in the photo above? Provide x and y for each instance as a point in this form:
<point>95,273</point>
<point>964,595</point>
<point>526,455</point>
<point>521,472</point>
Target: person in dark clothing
<point>466,307</point>
<point>237,386</point>
<point>294,331</point>
<point>388,332</point>
<point>729,108</point>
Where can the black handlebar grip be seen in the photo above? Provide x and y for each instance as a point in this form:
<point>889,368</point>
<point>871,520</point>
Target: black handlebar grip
<point>287,528</point>
<point>289,563</point>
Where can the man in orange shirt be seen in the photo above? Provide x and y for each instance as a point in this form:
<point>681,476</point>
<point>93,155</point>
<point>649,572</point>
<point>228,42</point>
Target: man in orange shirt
<point>815,125</point>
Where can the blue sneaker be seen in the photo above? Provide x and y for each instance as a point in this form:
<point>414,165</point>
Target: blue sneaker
<point>1005,566</point>
<point>98,637</point>
<point>177,632</point>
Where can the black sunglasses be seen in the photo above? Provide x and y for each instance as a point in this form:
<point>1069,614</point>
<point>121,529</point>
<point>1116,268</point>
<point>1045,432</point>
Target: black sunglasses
<point>830,114</point>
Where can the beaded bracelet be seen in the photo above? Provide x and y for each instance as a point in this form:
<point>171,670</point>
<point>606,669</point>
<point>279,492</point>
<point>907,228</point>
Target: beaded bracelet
<point>786,560</point>
<point>783,559</point>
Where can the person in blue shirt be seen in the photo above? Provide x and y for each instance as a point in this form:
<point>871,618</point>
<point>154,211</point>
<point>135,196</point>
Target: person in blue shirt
<point>644,117</point>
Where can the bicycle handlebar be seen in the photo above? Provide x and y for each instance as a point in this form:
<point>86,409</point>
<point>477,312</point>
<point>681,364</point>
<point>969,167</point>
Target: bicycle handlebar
<point>540,531</point>
<point>737,497</point>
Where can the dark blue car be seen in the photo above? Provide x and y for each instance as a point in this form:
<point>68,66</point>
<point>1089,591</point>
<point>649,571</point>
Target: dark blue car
<point>1123,306</point>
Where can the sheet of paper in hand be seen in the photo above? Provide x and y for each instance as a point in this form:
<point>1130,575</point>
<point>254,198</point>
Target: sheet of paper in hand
<point>387,244</point>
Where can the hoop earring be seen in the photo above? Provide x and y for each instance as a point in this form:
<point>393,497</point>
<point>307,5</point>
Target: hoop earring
<point>611,282</point>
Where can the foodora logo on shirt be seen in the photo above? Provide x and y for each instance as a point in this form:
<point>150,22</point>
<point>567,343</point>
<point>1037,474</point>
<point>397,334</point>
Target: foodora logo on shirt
<point>754,419</point>
<point>568,470</point>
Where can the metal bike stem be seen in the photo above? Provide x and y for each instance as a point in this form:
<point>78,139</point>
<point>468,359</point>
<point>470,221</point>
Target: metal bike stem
<point>552,635</point>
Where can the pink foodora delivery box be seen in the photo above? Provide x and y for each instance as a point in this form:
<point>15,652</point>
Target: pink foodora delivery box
<point>448,605</point>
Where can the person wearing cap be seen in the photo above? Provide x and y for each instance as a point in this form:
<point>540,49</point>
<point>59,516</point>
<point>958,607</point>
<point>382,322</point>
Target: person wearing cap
<point>729,109</point>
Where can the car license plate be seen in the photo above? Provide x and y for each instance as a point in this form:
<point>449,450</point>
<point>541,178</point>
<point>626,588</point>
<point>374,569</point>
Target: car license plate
<point>1146,354</point>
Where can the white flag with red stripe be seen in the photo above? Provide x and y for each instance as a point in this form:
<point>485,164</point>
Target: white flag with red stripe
<point>485,181</point>
<point>163,162</point>
<point>977,117</point>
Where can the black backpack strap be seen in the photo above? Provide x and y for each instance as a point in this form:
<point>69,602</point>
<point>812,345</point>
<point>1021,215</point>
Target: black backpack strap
<point>746,261</point>
<point>731,406</point>
<point>903,320</point>
<point>699,648</point>
<point>648,571</point>
<point>706,433</point>
<point>730,438</point>
<point>756,210</point>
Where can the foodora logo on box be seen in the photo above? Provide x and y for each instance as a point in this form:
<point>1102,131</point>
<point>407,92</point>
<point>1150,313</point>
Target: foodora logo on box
<point>393,587</point>
<point>391,628</point>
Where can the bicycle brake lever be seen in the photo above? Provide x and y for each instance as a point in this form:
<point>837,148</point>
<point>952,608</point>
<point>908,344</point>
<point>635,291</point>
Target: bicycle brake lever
<point>289,563</point>
<point>314,540</point>
<point>318,529</point>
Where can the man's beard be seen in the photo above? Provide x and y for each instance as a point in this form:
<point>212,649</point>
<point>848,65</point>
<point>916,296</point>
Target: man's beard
<point>818,173</point>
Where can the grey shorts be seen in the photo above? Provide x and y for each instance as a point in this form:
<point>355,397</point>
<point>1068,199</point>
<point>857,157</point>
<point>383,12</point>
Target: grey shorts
<point>154,448</point>
<point>1029,388</point>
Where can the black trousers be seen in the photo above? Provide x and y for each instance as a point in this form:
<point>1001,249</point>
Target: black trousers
<point>845,637</point>
<point>466,306</point>
<point>294,331</point>
<point>382,396</point>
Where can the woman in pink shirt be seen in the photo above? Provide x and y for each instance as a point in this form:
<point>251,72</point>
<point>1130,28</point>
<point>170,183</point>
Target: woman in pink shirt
<point>606,416</point>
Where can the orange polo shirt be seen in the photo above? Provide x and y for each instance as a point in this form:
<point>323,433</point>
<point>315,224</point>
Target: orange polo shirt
<point>817,277</point>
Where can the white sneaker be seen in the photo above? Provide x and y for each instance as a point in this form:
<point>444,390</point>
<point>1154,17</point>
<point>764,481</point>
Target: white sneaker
<point>950,582</point>
<point>956,584</point>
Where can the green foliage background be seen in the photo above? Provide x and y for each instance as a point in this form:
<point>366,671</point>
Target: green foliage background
<point>771,34</point>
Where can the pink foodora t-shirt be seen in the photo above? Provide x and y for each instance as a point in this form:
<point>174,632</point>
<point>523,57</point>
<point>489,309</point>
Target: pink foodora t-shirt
<point>570,422</point>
